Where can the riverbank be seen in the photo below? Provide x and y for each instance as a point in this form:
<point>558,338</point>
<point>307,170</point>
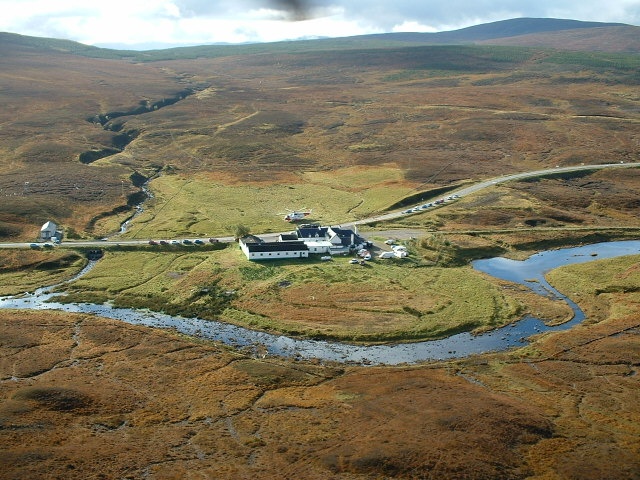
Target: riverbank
<point>454,346</point>
<point>87,396</point>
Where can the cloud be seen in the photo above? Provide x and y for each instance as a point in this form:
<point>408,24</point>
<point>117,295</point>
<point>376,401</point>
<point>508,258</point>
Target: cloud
<point>190,22</point>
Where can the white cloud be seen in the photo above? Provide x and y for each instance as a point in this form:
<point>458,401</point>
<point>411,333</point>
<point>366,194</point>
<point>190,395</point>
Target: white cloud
<point>412,26</point>
<point>190,22</point>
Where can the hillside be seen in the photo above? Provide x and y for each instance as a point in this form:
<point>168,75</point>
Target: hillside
<point>345,131</point>
<point>495,32</point>
<point>601,39</point>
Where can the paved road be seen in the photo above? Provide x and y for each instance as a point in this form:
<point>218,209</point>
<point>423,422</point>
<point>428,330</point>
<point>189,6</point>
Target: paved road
<point>380,218</point>
<point>497,180</point>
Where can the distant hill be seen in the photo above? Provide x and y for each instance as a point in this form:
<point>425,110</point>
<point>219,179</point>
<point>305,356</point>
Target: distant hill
<point>538,32</point>
<point>620,39</point>
<point>531,32</point>
<point>502,29</point>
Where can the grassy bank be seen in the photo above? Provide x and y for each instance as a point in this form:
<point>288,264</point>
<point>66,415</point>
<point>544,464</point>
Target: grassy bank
<point>26,270</point>
<point>382,301</point>
<point>597,285</point>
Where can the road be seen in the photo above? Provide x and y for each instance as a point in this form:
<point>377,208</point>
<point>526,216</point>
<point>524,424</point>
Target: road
<point>380,218</point>
<point>495,181</point>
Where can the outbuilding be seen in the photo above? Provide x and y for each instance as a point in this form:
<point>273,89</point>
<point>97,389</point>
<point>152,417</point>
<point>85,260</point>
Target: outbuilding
<point>274,250</point>
<point>48,231</point>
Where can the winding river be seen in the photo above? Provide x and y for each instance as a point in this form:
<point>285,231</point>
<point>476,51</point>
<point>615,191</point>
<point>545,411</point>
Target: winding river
<point>529,272</point>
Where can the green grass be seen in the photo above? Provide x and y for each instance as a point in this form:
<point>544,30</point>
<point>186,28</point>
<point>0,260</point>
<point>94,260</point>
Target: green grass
<point>589,283</point>
<point>410,302</point>
<point>199,206</point>
<point>402,300</point>
<point>25,271</point>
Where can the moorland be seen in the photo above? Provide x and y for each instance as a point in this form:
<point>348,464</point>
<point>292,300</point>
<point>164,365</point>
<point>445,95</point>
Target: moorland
<point>222,138</point>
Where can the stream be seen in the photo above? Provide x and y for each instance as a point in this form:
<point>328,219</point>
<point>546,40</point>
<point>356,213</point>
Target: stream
<point>529,272</point>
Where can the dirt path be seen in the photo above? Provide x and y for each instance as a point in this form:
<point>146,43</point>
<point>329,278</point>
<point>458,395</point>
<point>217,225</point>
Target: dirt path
<point>224,126</point>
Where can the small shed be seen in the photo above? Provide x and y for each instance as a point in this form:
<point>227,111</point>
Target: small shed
<point>48,231</point>
<point>288,237</point>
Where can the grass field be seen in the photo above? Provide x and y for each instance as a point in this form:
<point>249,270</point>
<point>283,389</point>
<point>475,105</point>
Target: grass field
<point>205,205</point>
<point>595,285</point>
<point>26,270</point>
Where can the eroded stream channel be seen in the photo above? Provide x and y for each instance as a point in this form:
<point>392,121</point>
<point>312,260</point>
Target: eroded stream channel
<point>529,272</point>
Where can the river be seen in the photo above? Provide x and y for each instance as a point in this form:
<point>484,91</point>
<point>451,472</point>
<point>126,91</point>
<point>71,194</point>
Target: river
<point>529,272</point>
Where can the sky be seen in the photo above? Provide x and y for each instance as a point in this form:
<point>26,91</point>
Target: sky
<point>145,24</point>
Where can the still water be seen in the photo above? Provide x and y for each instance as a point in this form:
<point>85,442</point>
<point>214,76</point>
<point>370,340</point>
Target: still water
<point>529,272</point>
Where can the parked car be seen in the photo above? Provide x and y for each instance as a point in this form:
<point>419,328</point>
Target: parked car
<point>213,240</point>
<point>198,242</point>
<point>163,242</point>
<point>153,242</point>
<point>354,261</point>
<point>326,258</point>
<point>175,242</point>
<point>34,245</point>
<point>186,241</point>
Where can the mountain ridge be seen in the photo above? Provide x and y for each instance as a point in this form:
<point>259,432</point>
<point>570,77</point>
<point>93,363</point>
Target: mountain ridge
<point>504,28</point>
<point>525,31</point>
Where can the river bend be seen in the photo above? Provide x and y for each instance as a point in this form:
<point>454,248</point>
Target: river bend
<point>529,272</point>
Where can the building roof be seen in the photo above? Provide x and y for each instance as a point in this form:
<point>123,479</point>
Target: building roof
<point>346,236</point>
<point>312,232</point>
<point>49,226</point>
<point>285,237</point>
<point>294,246</point>
<point>251,239</point>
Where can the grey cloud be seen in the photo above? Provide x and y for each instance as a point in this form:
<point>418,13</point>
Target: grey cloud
<point>384,14</point>
<point>455,12</point>
<point>293,9</point>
